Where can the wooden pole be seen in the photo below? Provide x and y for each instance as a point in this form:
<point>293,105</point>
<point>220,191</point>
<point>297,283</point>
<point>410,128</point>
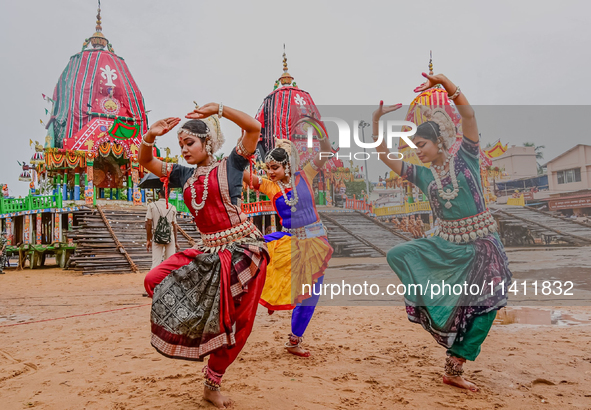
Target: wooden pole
<point>120,247</point>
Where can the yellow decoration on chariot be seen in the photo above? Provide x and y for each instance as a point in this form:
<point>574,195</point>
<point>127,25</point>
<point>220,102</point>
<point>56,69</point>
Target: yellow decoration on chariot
<point>89,144</point>
<point>117,149</point>
<point>110,106</point>
<point>104,148</point>
<point>496,150</point>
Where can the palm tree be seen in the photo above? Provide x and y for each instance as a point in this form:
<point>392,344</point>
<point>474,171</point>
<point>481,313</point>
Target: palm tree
<point>537,148</point>
<point>539,154</point>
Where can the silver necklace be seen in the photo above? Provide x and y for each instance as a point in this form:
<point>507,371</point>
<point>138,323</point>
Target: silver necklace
<point>441,168</point>
<point>448,194</point>
<point>194,178</point>
<point>293,202</point>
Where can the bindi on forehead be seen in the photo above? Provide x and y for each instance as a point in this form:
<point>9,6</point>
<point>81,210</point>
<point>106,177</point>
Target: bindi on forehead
<point>186,138</point>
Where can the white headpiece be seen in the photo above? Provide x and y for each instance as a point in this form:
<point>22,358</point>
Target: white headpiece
<point>447,128</point>
<point>214,133</point>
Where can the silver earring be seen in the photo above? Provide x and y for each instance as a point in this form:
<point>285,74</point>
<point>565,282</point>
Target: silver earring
<point>440,146</point>
<point>287,170</point>
<point>208,148</point>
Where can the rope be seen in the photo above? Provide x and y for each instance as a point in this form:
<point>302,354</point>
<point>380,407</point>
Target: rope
<point>186,235</point>
<point>68,317</point>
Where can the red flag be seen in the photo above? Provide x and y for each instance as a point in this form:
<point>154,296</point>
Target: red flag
<point>44,97</point>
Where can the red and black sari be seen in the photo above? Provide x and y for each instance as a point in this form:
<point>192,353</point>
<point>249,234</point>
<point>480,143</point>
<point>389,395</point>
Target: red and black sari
<point>205,298</point>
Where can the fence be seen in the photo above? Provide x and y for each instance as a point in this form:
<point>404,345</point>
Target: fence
<point>30,203</point>
<point>257,207</point>
<point>252,208</point>
<point>403,209</point>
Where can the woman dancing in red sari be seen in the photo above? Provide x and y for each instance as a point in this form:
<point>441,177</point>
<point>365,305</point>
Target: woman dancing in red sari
<point>205,298</point>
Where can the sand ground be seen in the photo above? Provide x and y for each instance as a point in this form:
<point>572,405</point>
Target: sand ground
<point>364,357</point>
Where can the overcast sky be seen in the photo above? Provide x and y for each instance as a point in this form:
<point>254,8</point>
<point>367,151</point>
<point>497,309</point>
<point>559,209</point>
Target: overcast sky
<point>341,52</point>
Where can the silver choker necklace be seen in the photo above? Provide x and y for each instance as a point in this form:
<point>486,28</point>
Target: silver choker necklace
<point>441,168</point>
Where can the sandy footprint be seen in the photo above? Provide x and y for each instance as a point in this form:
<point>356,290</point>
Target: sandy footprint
<point>11,367</point>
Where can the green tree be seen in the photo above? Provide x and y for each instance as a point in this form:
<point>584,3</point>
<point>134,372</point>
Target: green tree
<point>537,148</point>
<point>355,188</point>
<point>253,196</point>
<point>539,154</point>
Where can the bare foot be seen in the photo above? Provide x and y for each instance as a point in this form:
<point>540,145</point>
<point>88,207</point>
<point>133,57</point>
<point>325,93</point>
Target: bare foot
<point>217,399</point>
<point>460,382</point>
<point>298,351</point>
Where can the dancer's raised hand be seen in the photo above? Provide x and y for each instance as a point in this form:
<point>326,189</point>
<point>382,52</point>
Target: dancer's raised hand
<point>207,110</point>
<point>432,81</point>
<point>394,165</point>
<point>377,114</point>
<point>146,157</point>
<point>469,126</point>
<point>161,127</point>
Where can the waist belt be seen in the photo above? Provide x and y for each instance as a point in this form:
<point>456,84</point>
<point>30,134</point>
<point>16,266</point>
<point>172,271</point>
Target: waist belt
<point>306,232</point>
<point>467,230</point>
<point>215,241</point>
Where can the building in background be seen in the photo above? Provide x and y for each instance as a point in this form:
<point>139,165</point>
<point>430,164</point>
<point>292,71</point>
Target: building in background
<point>569,178</point>
<point>517,162</point>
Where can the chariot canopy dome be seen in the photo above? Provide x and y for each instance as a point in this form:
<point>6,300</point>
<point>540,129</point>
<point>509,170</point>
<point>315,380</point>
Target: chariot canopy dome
<point>96,100</point>
<point>279,115</point>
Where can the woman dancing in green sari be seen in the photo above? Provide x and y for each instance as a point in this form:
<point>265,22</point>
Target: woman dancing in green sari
<point>465,250</point>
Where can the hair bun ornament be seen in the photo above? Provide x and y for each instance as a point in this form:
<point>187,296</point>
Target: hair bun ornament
<point>290,149</point>
<point>215,132</point>
<point>447,128</point>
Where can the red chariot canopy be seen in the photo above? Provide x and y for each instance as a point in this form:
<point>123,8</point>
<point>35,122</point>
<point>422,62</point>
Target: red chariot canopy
<point>95,89</point>
<point>279,114</point>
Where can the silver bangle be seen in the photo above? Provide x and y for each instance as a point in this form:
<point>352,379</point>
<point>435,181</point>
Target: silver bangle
<point>454,95</point>
<point>166,168</point>
<point>146,143</point>
<point>240,150</point>
<point>375,137</point>
<point>221,110</point>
